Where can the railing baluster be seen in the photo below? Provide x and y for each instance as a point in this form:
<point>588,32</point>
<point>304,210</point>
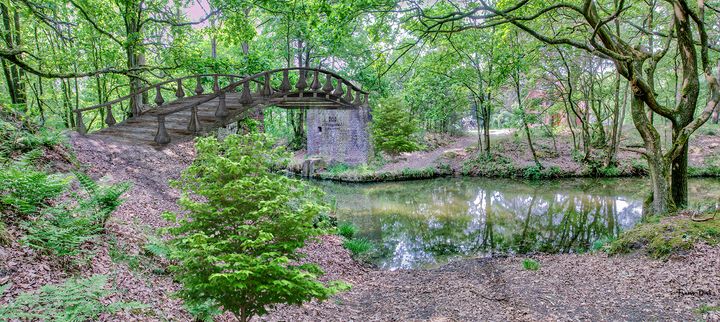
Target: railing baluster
<point>198,86</point>
<point>194,126</point>
<point>162,137</point>
<point>159,100</point>
<point>246,95</point>
<point>285,86</point>
<point>216,84</point>
<point>339,89</point>
<point>109,117</point>
<point>179,93</point>
<point>232,79</point>
<point>258,89</point>
<point>221,111</point>
<point>349,96</point>
<point>79,124</point>
<point>267,90</point>
<point>366,102</point>
<point>358,99</point>
<point>302,81</point>
<point>328,87</point>
<point>315,86</point>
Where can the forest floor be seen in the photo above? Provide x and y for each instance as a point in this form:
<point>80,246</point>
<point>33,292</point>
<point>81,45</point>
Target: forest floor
<point>511,157</point>
<point>566,287</point>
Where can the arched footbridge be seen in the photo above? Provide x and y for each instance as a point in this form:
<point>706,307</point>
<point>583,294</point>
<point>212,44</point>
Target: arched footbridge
<point>177,116</point>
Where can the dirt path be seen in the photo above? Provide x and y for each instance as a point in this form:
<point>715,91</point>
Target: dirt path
<point>424,159</point>
<point>566,288</point>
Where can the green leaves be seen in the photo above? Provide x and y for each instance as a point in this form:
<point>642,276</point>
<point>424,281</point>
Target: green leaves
<point>237,245</point>
<point>75,300</point>
<point>24,190</point>
<point>63,228</point>
<point>393,127</point>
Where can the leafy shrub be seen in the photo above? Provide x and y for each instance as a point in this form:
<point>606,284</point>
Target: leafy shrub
<point>347,230</point>
<point>237,243</point>
<point>358,246</point>
<point>530,264</point>
<point>61,229</point>
<point>24,190</point>
<point>533,172</point>
<point>324,221</point>
<point>74,300</point>
<point>393,127</point>
<point>610,171</point>
<point>639,166</point>
<point>602,244</point>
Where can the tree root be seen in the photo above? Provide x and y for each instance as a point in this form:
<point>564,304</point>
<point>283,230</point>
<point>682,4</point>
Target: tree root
<point>694,217</point>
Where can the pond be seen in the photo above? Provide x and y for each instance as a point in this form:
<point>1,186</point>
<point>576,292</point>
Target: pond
<point>416,224</point>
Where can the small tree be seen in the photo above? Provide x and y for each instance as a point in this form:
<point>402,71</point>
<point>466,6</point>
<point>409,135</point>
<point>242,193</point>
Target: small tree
<point>237,243</point>
<point>393,127</point>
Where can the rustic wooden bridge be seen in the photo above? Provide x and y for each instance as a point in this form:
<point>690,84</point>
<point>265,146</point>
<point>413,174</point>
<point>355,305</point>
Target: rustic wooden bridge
<point>230,97</point>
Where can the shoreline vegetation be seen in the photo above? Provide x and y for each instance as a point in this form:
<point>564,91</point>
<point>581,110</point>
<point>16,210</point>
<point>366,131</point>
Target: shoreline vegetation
<point>458,157</point>
<point>508,171</point>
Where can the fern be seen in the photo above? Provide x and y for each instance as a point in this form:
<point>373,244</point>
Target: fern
<point>156,247</point>
<point>62,229</point>
<point>86,182</point>
<point>108,198</point>
<point>74,300</point>
<point>24,190</point>
<point>28,159</point>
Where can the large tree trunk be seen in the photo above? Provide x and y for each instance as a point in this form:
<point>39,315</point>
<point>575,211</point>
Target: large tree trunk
<point>680,178</point>
<point>660,201</point>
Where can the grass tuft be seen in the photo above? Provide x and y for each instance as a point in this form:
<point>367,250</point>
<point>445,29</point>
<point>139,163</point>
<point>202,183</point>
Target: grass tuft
<point>358,246</point>
<point>347,230</point>
<point>707,309</point>
<point>530,264</point>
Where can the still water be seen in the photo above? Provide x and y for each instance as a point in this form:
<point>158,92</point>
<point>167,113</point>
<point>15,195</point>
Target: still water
<point>425,223</point>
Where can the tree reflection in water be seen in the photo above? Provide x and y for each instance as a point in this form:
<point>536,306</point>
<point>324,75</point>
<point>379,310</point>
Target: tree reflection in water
<point>425,223</point>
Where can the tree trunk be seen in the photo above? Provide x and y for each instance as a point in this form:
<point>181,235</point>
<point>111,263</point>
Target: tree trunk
<point>478,117</point>
<point>14,75</point>
<point>680,178</point>
<point>525,124</point>
<point>612,148</point>
<point>660,202</point>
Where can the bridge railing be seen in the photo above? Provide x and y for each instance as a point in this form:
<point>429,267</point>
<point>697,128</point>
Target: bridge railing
<point>293,82</point>
<point>178,86</point>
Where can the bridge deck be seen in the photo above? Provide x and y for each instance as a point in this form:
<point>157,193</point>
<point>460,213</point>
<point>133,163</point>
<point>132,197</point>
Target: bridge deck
<point>142,129</point>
